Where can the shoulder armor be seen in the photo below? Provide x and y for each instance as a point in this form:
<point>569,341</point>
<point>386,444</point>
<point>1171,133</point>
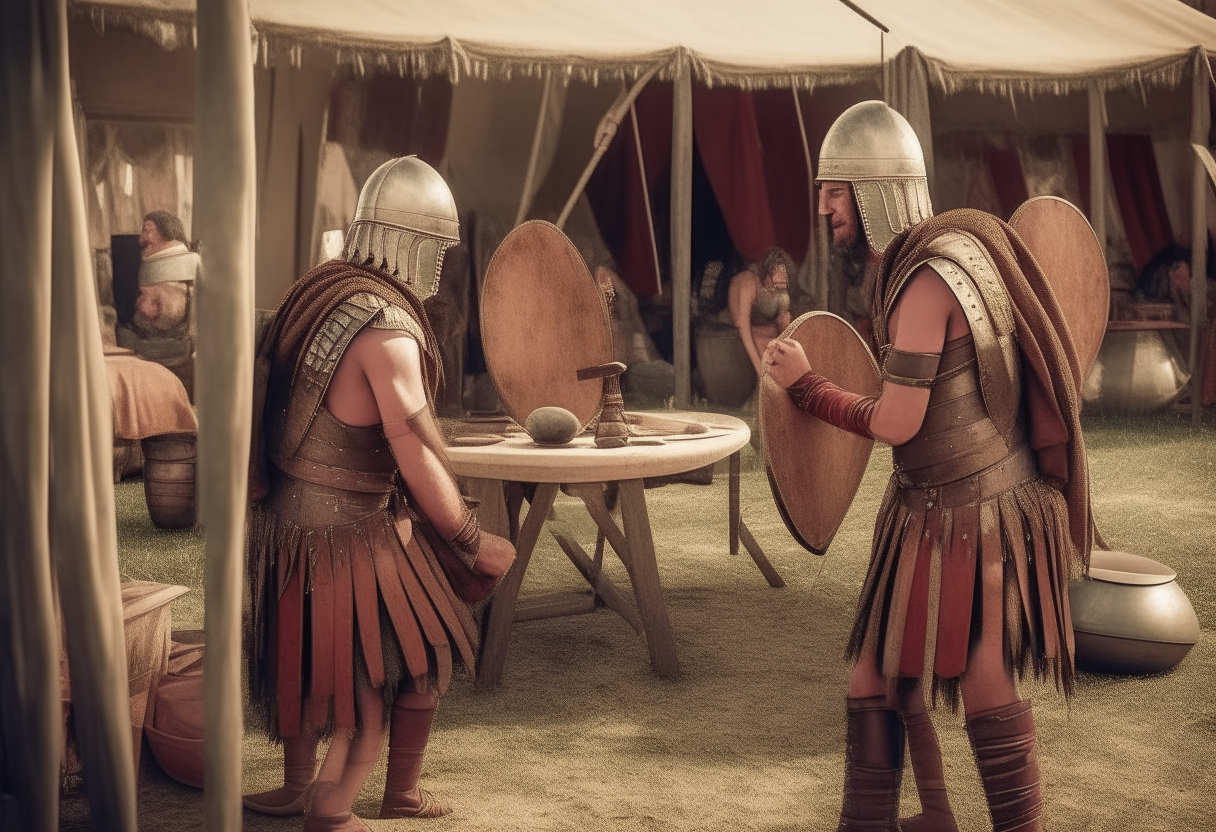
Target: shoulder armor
<point>340,327</point>
<point>395,318</point>
<point>977,285</point>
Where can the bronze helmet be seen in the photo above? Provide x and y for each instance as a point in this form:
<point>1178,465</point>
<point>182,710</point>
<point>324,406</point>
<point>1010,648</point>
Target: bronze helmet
<point>873,147</point>
<point>405,220</point>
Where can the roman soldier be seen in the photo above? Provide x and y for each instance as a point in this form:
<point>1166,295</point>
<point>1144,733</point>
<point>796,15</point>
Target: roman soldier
<point>987,511</point>
<point>365,562</point>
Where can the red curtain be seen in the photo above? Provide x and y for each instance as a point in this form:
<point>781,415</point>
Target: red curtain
<point>1007,177</point>
<point>615,189</point>
<point>728,139</point>
<point>785,170</point>
<point>1133,169</point>
<point>750,148</point>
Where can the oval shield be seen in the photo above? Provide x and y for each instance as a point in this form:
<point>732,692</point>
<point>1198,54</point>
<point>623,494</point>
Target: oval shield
<point>814,468</point>
<point>1067,250</point>
<point>542,320</point>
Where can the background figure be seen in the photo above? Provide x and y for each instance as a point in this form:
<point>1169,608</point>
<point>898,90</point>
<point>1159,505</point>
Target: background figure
<point>1167,279</point>
<point>759,302</point>
<point>162,328</point>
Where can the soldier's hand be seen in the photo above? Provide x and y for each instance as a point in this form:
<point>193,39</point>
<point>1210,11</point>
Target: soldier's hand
<point>785,361</point>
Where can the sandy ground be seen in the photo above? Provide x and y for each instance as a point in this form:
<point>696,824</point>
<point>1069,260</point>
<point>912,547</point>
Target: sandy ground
<point>581,735</point>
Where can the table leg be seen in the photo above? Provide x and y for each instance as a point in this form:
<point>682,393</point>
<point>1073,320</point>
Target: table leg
<point>502,605</point>
<point>492,513</point>
<point>734,503</point>
<point>753,549</point>
<point>644,574</point>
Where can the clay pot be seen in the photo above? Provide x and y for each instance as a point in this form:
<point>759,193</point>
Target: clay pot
<point>1130,616</point>
<point>169,466</point>
<point>727,374</point>
<point>175,733</point>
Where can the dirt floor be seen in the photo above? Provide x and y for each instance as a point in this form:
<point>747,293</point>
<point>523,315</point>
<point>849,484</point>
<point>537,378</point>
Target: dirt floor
<point>581,735</point>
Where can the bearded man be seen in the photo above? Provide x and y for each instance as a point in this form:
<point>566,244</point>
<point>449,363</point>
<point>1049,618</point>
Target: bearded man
<point>364,558</point>
<point>988,506</point>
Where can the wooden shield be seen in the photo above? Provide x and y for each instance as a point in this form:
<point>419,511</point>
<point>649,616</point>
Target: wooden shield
<point>814,468</point>
<point>542,320</point>
<point>1067,250</point>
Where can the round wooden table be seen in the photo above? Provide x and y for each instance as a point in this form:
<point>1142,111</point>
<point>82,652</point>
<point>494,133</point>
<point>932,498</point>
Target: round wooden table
<point>586,471</point>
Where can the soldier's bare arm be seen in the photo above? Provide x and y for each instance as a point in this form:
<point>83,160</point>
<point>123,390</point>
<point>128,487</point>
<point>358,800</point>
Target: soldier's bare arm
<point>390,364</point>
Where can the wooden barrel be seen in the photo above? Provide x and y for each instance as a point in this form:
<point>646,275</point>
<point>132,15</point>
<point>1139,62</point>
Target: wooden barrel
<point>169,463</point>
<point>727,375</point>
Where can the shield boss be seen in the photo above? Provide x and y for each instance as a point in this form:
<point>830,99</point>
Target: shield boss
<point>542,320</point>
<point>814,468</point>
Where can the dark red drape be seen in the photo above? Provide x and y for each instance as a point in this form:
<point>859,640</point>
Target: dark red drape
<point>785,171</point>
<point>1007,177</point>
<point>615,189</point>
<point>728,140</point>
<point>1133,169</point>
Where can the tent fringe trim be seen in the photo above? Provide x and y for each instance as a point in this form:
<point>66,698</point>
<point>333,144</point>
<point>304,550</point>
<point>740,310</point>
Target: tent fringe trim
<point>172,29</point>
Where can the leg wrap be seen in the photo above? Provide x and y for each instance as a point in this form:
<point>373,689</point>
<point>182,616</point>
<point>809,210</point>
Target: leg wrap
<point>1003,741</point>
<point>299,767</point>
<point>874,761</point>
<point>926,756</point>
<point>413,713</point>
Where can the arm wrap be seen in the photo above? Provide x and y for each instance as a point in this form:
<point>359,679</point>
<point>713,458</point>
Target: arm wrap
<point>467,539</point>
<point>824,400</point>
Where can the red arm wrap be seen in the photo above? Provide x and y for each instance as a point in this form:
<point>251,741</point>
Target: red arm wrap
<point>824,400</point>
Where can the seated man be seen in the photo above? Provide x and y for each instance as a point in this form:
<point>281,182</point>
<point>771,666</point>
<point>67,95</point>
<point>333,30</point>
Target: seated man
<point>162,328</point>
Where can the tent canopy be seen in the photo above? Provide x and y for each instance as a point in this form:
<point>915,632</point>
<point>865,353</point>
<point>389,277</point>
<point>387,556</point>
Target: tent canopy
<point>1045,45</point>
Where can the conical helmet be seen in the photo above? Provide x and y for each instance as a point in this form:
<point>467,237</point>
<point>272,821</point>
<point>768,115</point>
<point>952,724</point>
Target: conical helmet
<point>405,220</point>
<point>875,148</point>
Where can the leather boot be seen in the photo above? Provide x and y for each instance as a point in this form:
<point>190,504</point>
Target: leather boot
<point>926,757</point>
<point>299,765</point>
<point>874,762</point>
<point>408,735</point>
<point>1003,741</point>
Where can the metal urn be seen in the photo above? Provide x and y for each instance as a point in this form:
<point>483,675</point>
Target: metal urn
<point>1130,616</point>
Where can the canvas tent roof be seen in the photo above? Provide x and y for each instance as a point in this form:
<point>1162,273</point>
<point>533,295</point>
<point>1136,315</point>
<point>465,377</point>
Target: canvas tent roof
<point>1047,45</point>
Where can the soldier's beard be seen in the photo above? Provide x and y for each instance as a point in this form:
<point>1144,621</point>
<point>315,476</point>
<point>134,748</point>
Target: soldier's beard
<point>850,260</point>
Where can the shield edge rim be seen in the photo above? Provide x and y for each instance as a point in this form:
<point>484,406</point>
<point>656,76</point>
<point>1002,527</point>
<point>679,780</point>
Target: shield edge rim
<point>603,308</point>
<point>764,444</point>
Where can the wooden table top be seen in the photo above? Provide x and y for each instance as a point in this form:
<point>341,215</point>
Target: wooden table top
<point>517,458</point>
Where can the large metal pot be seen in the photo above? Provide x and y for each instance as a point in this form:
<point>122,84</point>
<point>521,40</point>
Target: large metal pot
<point>1130,616</point>
<point>1135,372</point>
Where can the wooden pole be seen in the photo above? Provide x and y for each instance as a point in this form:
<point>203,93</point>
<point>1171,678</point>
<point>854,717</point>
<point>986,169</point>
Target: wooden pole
<point>604,134</point>
<point>654,244</point>
<point>1097,163</point>
<point>224,221</point>
<point>681,230</point>
<point>1201,124</point>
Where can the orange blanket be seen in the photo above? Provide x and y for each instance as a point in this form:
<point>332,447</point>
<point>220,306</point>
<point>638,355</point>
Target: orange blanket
<point>148,399</point>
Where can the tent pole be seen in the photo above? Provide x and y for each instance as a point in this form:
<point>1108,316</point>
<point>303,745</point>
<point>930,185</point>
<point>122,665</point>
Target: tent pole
<point>224,203</point>
<point>30,717</point>
<point>84,538</point>
<point>1097,163</point>
<point>1201,124</point>
<point>525,198</point>
<point>681,229</point>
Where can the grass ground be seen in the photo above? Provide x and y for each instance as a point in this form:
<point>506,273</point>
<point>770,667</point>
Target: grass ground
<point>582,736</point>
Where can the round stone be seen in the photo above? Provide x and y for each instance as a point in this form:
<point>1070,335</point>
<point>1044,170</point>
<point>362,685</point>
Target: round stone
<point>552,425</point>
